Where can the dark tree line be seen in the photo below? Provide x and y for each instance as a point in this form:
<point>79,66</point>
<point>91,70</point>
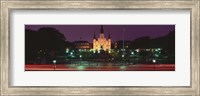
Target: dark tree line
<point>165,42</point>
<point>44,43</point>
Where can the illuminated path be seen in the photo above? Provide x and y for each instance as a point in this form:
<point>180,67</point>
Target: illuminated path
<point>78,67</point>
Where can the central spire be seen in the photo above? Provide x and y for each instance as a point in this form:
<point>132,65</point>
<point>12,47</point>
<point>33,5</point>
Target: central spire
<point>101,31</point>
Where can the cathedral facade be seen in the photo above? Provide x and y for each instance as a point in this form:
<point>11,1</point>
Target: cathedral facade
<point>101,43</point>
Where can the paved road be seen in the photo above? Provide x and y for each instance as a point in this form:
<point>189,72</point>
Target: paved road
<point>82,67</point>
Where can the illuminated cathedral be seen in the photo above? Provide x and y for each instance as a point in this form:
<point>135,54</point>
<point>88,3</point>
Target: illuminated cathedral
<point>101,43</point>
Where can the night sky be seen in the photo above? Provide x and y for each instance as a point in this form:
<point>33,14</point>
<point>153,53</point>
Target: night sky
<point>86,32</point>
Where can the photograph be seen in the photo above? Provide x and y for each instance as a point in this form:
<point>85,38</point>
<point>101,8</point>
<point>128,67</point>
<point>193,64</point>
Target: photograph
<point>99,47</point>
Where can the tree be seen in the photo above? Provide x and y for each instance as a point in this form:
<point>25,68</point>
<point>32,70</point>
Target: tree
<point>30,45</point>
<point>45,43</point>
<point>143,42</point>
<point>51,39</point>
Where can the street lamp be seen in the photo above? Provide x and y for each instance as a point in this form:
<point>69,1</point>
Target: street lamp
<point>123,45</point>
<point>154,61</point>
<point>54,62</point>
<point>80,58</point>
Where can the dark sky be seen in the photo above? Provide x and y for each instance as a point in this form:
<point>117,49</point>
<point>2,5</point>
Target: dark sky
<point>132,32</point>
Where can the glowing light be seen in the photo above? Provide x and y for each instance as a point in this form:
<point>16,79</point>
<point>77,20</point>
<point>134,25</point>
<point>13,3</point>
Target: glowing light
<point>54,61</point>
<point>122,55</point>
<point>109,51</point>
<point>123,67</point>
<point>67,50</point>
<point>159,48</point>
<point>80,56</point>
<point>132,53</point>
<point>154,61</point>
<point>81,67</point>
<point>156,55</point>
<point>137,50</point>
<point>123,49</point>
<point>71,53</point>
